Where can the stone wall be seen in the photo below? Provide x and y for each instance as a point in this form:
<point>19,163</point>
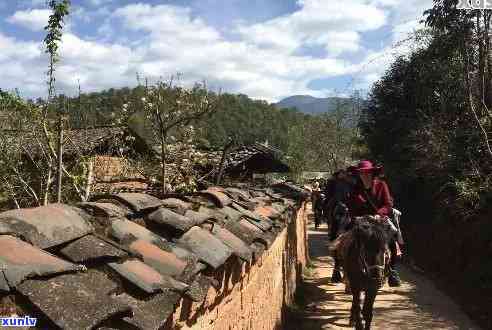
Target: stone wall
<point>252,295</point>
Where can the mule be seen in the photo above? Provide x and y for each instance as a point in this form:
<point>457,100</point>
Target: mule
<point>340,221</point>
<point>365,265</point>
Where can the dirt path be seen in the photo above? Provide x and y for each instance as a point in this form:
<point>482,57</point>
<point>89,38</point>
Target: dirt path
<point>417,304</point>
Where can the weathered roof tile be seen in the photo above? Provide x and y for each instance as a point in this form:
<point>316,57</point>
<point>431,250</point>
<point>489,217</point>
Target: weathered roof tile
<point>123,229</point>
<point>167,217</point>
<point>150,314</point>
<point>240,248</point>
<point>177,205</point>
<point>146,277</point>
<point>231,213</point>
<point>104,209</point>
<point>268,211</point>
<point>237,224</point>
<point>280,207</point>
<point>261,222</point>
<point>257,193</point>
<point>164,262</point>
<point>90,248</point>
<point>219,198</point>
<point>238,194</point>
<point>138,202</point>
<point>46,226</point>
<point>20,260</point>
<point>4,285</point>
<point>206,246</point>
<point>198,217</point>
<point>248,232</point>
<point>75,301</point>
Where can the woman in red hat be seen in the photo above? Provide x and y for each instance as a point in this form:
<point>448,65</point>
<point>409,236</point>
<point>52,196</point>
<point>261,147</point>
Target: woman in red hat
<point>371,196</point>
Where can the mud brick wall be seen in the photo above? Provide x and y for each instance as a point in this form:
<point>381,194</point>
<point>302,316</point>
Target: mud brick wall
<point>220,258</point>
<point>252,295</point>
<point>108,168</point>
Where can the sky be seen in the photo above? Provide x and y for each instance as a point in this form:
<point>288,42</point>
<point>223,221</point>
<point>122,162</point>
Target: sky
<point>267,49</point>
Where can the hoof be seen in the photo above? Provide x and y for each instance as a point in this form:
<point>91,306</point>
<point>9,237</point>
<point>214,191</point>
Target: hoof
<point>336,277</point>
<point>394,281</point>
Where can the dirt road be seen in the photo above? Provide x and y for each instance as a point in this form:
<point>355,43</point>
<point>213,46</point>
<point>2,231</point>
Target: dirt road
<point>417,304</point>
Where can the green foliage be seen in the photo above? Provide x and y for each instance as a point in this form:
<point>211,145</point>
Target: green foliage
<point>248,121</point>
<point>324,142</point>
<point>427,118</point>
<point>54,35</point>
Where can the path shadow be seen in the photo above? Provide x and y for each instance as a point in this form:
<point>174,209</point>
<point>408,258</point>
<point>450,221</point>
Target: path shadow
<point>415,305</point>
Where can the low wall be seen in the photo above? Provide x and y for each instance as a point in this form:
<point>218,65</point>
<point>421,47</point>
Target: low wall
<point>252,295</point>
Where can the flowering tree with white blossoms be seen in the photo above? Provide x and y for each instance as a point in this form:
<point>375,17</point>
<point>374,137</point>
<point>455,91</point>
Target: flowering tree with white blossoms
<point>170,110</point>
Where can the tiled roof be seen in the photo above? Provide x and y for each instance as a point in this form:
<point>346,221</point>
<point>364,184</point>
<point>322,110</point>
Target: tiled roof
<point>244,153</point>
<point>124,261</point>
<point>76,141</point>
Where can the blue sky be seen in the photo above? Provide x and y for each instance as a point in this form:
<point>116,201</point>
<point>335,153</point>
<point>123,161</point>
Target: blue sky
<point>267,49</point>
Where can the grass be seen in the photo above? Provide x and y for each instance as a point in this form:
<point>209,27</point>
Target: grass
<point>309,271</point>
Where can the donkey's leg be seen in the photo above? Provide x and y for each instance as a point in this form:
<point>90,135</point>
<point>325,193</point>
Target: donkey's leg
<point>367,310</point>
<point>355,317</point>
<point>336,276</point>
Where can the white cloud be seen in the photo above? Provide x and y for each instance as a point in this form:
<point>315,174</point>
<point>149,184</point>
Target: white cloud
<point>33,19</point>
<point>171,40</point>
<point>178,42</point>
<point>98,3</point>
<point>261,61</point>
<point>20,63</point>
<point>317,22</point>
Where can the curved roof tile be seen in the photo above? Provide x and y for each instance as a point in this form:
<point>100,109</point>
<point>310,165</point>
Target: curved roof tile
<point>148,314</point>
<point>20,260</point>
<point>121,229</point>
<point>138,202</point>
<point>219,198</point>
<point>104,209</point>
<point>240,248</point>
<point>164,262</point>
<point>167,217</point>
<point>177,205</point>
<point>206,246</point>
<point>75,301</point>
<point>46,226</point>
<point>90,248</point>
<point>146,277</point>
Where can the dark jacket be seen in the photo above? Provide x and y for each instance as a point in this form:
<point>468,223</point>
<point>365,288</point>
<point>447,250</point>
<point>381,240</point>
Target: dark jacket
<point>379,194</point>
<point>343,190</point>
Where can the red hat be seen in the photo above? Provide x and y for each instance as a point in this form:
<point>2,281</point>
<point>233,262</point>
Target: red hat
<point>366,166</point>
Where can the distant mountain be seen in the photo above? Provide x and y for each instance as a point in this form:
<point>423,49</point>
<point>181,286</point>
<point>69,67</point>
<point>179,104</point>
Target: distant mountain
<point>312,105</point>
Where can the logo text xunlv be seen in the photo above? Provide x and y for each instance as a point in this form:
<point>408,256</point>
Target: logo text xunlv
<point>17,321</point>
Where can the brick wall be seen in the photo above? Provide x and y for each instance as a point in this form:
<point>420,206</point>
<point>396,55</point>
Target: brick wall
<point>108,168</point>
<point>253,295</point>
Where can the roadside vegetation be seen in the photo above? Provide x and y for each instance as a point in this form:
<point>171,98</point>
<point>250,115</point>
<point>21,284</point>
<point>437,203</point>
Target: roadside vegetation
<point>429,120</point>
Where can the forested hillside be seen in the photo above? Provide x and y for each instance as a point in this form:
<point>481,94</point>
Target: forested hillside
<point>313,105</point>
<point>327,141</point>
<point>428,120</point>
